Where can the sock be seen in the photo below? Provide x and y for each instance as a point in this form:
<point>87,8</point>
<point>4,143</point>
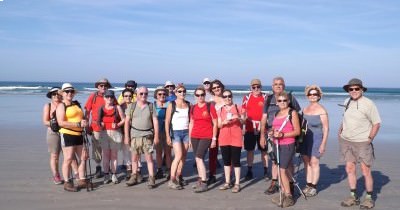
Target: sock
<point>353,192</point>
<point>313,186</point>
<point>369,195</point>
<point>309,184</point>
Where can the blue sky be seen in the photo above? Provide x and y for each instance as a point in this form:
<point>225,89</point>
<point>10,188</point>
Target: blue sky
<point>320,42</point>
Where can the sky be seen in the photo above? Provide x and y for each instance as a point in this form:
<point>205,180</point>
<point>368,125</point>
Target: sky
<point>321,42</point>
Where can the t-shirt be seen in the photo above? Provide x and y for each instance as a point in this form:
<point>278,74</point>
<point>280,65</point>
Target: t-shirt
<point>141,123</point>
<point>121,98</point>
<point>171,97</point>
<point>358,120</point>
<point>231,134</point>
<point>161,116</point>
<point>253,105</point>
<point>202,121</point>
<point>93,104</point>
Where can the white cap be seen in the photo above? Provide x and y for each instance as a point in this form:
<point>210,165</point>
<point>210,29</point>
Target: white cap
<point>206,80</point>
<point>168,83</point>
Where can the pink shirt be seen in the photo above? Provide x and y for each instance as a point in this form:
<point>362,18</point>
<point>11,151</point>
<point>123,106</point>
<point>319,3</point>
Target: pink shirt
<point>276,124</point>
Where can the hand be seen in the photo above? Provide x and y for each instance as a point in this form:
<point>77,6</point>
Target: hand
<point>213,144</point>
<point>263,141</point>
<point>322,150</point>
<point>169,142</point>
<point>84,123</point>
<point>156,141</point>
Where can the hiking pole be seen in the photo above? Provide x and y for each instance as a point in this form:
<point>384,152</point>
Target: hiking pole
<point>293,177</point>
<point>87,177</point>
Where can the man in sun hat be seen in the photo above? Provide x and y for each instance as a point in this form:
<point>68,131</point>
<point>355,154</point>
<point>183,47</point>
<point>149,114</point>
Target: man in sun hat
<point>170,86</point>
<point>92,105</point>
<point>359,127</point>
<point>130,84</point>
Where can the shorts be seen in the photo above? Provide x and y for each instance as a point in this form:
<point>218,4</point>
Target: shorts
<point>96,147</point>
<point>53,142</point>
<point>68,140</point>
<point>142,145</point>
<point>180,136</point>
<point>162,141</point>
<point>250,141</point>
<point>110,139</point>
<point>286,154</point>
<point>200,147</point>
<point>356,152</point>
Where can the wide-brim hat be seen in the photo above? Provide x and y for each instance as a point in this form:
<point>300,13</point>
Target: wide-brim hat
<point>206,80</point>
<point>169,83</point>
<point>67,86</point>
<point>353,82</point>
<point>131,83</point>
<point>52,90</point>
<point>103,81</point>
<point>160,88</point>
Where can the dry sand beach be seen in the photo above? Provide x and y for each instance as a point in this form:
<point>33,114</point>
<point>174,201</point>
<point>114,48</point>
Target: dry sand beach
<point>25,183</point>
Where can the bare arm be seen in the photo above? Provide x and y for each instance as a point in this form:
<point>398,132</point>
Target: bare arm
<point>46,116</point>
<point>121,116</point>
<point>374,132</point>
<point>127,127</point>
<point>167,123</point>
<point>325,130</point>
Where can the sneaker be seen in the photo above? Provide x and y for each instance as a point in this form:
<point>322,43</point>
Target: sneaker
<point>249,175</point>
<point>173,184</point>
<point>98,173</point>
<point>128,175</point>
<point>197,184</point>
<point>139,177</point>
<point>159,174</point>
<point>273,188</point>
<point>306,189</point>
<point>182,182</point>
<point>132,181</point>
<point>114,179</point>
<point>236,188</point>
<point>367,203</point>
<point>311,192</point>
<point>82,184</point>
<point>277,199</point>
<point>287,201</point>
<point>350,201</point>
<point>152,182</point>
<point>202,187</point>
<point>211,180</point>
<point>69,186</point>
<point>107,178</point>
<point>57,179</point>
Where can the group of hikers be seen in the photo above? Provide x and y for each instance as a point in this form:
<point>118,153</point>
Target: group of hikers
<point>170,124</point>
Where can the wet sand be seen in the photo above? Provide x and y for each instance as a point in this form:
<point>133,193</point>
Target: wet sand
<point>26,182</point>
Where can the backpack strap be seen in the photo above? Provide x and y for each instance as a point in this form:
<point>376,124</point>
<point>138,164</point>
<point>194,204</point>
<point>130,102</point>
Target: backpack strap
<point>268,101</point>
<point>347,105</point>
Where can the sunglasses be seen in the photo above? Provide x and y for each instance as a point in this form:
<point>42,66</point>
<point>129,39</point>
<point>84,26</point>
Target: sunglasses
<point>216,87</point>
<point>170,86</point>
<point>207,83</point>
<point>111,97</point>
<point>69,91</point>
<point>103,85</point>
<point>144,94</point>
<point>256,87</point>
<point>128,96</point>
<point>354,89</point>
<point>200,95</point>
<point>161,94</point>
<point>54,94</point>
<point>313,94</point>
<point>227,96</point>
<point>280,101</point>
<point>181,91</point>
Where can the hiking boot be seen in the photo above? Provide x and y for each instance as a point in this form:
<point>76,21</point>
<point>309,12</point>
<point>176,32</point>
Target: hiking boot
<point>128,175</point>
<point>159,174</point>
<point>350,201</point>
<point>311,192</point>
<point>98,173</point>
<point>132,181</point>
<point>277,200</point>
<point>273,188</point>
<point>197,184</point>
<point>69,186</point>
<point>249,175</point>
<point>173,184</point>
<point>182,182</point>
<point>287,201</point>
<point>236,188</point>
<point>114,179</point>
<point>57,179</point>
<point>107,178</point>
<point>139,177</point>
<point>367,203</point>
<point>211,180</point>
<point>202,187</point>
<point>306,189</point>
<point>152,182</point>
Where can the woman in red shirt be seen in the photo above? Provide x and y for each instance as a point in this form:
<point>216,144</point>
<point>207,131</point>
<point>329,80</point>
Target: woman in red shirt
<point>202,132</point>
<point>230,139</point>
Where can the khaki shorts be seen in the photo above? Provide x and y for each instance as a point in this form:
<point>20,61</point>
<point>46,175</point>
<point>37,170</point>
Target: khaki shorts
<point>53,142</point>
<point>110,139</point>
<point>356,152</point>
<point>142,145</point>
<point>96,147</point>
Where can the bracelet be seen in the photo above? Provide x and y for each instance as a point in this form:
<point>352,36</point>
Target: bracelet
<point>370,138</point>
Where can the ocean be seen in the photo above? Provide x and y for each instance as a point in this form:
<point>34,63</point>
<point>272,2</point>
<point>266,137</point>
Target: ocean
<point>22,102</point>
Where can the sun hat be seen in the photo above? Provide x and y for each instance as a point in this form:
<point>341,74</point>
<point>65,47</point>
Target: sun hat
<point>109,93</point>
<point>52,90</point>
<point>255,82</point>
<point>158,89</point>
<point>131,83</point>
<point>67,86</point>
<point>206,80</point>
<point>353,82</point>
<point>103,81</point>
<point>169,83</point>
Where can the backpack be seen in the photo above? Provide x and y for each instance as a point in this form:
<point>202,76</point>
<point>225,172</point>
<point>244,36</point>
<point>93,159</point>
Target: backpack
<point>133,107</point>
<point>101,114</point>
<point>303,129</point>
<point>54,126</point>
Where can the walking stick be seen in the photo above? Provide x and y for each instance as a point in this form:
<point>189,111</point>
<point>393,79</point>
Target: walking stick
<point>88,177</point>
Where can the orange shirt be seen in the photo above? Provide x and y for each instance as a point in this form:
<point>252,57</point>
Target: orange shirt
<point>231,134</point>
